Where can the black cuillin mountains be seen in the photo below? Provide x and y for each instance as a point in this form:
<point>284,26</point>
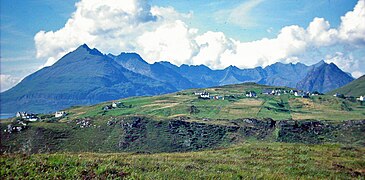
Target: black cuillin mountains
<point>86,76</point>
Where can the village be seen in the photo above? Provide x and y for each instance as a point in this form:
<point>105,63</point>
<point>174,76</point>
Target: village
<point>252,94</point>
<point>273,92</point>
<point>23,118</point>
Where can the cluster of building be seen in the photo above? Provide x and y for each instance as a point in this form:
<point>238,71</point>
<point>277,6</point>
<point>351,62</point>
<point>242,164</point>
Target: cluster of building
<point>253,94</point>
<point>205,95</point>
<point>27,116</point>
<point>297,93</point>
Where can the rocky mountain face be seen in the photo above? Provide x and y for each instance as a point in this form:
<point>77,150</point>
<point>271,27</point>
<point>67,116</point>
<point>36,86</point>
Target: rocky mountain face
<point>323,78</point>
<point>86,76</point>
<point>355,88</point>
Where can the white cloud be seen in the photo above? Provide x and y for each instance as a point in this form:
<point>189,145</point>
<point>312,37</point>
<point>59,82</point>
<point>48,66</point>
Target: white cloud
<point>357,74</point>
<point>160,33</point>
<point>7,82</point>
<point>346,62</point>
<point>352,28</point>
<point>170,41</point>
<point>320,34</point>
<point>109,25</point>
<point>212,46</point>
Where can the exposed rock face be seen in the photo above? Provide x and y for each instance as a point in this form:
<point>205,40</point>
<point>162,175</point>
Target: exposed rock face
<point>143,135</point>
<point>322,131</point>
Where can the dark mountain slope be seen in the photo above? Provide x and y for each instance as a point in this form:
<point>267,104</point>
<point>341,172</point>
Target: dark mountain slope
<point>280,74</point>
<point>324,78</point>
<point>84,76</point>
<point>355,88</point>
<point>135,63</point>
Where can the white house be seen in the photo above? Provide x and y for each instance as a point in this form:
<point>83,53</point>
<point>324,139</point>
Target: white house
<point>198,93</point>
<point>116,104</point>
<point>251,94</point>
<point>32,118</point>
<point>60,114</point>
<point>204,95</point>
<point>361,98</point>
<point>22,115</point>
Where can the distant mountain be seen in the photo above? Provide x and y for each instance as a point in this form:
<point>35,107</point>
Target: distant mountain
<point>280,74</point>
<point>135,63</point>
<point>355,88</point>
<point>324,77</point>
<point>86,76</point>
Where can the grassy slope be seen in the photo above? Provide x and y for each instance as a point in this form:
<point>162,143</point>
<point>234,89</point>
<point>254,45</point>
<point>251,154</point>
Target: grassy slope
<point>249,160</point>
<point>355,88</point>
<point>234,107</point>
<point>254,159</point>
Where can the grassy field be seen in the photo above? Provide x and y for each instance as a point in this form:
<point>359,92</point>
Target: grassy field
<point>234,106</point>
<point>248,160</point>
<point>233,138</point>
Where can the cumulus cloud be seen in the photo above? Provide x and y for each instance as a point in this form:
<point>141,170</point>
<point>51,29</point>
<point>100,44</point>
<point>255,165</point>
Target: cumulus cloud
<point>7,82</point>
<point>160,33</point>
<point>110,25</point>
<point>347,63</point>
<point>352,28</point>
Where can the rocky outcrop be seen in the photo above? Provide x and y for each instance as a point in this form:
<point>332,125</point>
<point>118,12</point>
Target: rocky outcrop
<point>145,135</point>
<point>313,131</point>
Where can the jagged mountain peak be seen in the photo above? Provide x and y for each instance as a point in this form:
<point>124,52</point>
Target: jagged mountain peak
<point>86,76</point>
<point>85,48</point>
<point>130,57</point>
<point>324,77</point>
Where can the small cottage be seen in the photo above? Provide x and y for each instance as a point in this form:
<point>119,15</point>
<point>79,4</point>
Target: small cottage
<point>361,98</point>
<point>251,94</point>
<point>60,114</point>
<point>116,104</point>
<point>204,95</point>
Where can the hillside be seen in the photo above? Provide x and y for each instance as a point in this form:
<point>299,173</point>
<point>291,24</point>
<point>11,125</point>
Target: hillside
<point>183,122</point>
<point>86,76</point>
<point>355,88</point>
<point>244,137</point>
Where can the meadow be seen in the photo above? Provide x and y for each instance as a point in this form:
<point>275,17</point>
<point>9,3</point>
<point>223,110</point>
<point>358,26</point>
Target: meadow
<point>248,160</point>
<point>235,105</point>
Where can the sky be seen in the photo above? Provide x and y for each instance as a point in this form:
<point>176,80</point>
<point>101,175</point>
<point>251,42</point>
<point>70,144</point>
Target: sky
<point>243,33</point>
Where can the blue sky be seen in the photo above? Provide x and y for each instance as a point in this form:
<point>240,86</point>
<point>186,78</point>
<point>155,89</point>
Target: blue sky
<point>214,33</point>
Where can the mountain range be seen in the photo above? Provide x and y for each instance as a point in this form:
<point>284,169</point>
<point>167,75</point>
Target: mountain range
<point>86,76</point>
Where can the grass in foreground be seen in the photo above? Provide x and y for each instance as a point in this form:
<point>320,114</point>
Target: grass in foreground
<point>251,160</point>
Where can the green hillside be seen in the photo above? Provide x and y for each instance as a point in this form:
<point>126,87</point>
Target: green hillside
<point>235,105</point>
<point>355,88</point>
<point>268,136</point>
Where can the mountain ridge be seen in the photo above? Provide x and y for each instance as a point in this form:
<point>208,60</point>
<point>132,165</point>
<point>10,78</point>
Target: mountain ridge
<point>86,76</point>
